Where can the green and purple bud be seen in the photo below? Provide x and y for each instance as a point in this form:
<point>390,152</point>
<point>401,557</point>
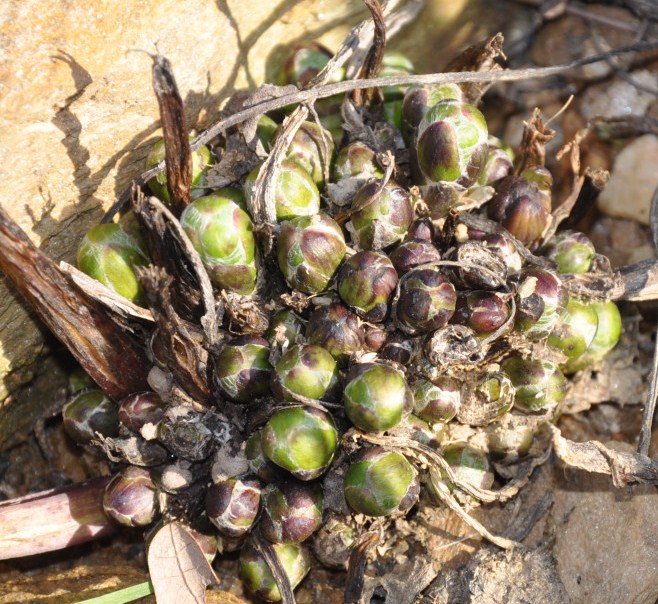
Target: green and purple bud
<point>522,204</point>
<point>337,330</point>
<point>312,148</point>
<point>483,311</point>
<point>437,401</point>
<point>139,409</point>
<point>292,511</point>
<point>131,497</point>
<point>451,144</point>
<point>256,574</point>
<point>412,254</point>
<point>571,251</point>
<point>295,193</point>
<point>417,102</point>
<point>540,298</point>
<point>499,162</point>
<point>301,440</point>
<point>243,368</point>
<point>285,325</point>
<point>201,160</point>
<point>380,218</point>
<point>258,462</point>
<point>427,300</point>
<point>540,385</point>
<point>306,371</point>
<point>421,229</point>
<point>222,233</point>
<point>310,250</point>
<point>305,62</point>
<point>366,283</point>
<point>109,253</point>
<point>233,504</point>
<point>399,348</point>
<point>469,464</point>
<point>381,483</point>
<point>357,160</point>
<point>89,413</point>
<point>376,397</point>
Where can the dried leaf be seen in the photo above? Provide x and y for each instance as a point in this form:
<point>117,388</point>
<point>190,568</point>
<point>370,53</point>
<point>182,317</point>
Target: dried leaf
<point>179,570</point>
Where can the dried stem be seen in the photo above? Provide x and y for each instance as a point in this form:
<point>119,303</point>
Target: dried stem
<point>104,344</point>
<point>52,520</point>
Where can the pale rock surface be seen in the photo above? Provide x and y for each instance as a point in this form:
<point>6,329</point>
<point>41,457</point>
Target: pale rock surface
<point>633,181</point>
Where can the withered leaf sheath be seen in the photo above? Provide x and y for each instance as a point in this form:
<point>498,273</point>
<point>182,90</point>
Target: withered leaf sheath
<point>109,350</point>
<point>178,155</point>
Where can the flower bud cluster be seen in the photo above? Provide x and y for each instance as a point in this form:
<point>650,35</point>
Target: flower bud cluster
<point>409,323</point>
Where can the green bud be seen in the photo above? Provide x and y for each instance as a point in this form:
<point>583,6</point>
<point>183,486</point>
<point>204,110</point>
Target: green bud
<point>292,511</point>
<point>310,250</point>
<point>571,251</point>
<point>109,254</point>
<point>222,234</point>
<point>131,497</point>
<point>88,413</point>
<point>301,440</point>
<point>305,370</point>
<point>452,142</point>
<point>540,385</point>
<point>258,578</point>
<point>201,159</point>
<point>380,483</point>
<point>376,397</point>
<point>394,63</point>
<point>295,194</point>
<point>265,130</point>
<point>575,329</point>
<point>243,368</point>
<point>366,283</point>
<point>608,331</point>
<point>233,504</point>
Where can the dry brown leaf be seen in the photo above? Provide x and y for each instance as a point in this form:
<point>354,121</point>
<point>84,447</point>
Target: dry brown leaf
<point>179,571</point>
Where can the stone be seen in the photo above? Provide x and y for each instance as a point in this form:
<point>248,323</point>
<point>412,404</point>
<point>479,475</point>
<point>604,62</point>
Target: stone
<point>633,181</point>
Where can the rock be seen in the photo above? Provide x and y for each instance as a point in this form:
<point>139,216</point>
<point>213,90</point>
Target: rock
<point>633,182</point>
<point>606,541</point>
<point>78,114</point>
<point>620,97</point>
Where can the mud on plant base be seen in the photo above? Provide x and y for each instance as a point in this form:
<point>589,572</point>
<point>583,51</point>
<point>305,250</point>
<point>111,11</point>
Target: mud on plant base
<point>231,402</point>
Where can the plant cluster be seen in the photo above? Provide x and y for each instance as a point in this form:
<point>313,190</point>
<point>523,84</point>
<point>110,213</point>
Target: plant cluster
<point>411,308</point>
